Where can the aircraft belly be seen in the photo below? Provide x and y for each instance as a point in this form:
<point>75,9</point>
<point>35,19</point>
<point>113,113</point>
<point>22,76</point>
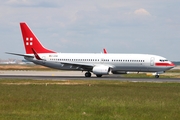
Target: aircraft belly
<point>154,68</point>
<point>130,68</point>
<point>143,68</point>
<point>140,67</point>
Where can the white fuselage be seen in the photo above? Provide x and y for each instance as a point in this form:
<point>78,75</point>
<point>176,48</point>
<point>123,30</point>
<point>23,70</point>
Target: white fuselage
<point>117,62</point>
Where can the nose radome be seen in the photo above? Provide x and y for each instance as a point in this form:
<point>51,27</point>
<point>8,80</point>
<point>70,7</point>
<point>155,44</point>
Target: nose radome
<point>172,64</point>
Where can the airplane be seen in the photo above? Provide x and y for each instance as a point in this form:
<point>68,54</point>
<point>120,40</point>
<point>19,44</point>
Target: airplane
<point>96,63</point>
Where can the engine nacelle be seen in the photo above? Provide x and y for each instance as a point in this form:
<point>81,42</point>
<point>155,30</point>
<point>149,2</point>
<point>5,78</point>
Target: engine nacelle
<point>101,70</point>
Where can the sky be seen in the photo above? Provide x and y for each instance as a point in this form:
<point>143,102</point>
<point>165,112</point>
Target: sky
<point>88,26</point>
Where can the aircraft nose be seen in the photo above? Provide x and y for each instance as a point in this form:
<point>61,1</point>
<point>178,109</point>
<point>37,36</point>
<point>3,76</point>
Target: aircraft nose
<point>165,64</point>
<point>171,64</point>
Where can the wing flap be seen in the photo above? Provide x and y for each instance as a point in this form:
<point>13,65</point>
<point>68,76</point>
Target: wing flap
<point>82,66</point>
<point>78,64</point>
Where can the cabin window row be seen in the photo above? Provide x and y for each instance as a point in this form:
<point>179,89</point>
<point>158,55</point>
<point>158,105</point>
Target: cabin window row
<point>114,60</point>
<point>128,60</point>
<point>75,59</point>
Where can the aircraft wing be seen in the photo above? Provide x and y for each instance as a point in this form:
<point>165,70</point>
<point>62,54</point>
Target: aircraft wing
<point>84,66</point>
<point>81,64</point>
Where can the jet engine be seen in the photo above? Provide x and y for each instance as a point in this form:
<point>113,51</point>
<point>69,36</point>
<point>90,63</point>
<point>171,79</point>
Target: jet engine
<point>101,70</point>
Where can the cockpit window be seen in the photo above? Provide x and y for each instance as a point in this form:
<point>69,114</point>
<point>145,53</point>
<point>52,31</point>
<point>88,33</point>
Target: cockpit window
<point>163,60</point>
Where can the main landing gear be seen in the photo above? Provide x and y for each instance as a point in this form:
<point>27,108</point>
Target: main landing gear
<point>88,74</point>
<point>156,76</point>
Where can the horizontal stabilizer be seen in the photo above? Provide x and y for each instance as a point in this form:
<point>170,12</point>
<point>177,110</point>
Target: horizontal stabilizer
<point>24,55</point>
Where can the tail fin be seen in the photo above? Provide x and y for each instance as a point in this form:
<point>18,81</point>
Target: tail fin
<point>31,41</point>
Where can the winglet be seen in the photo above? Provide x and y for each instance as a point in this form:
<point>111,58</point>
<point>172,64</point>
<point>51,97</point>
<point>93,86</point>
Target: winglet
<point>105,52</point>
<point>36,55</point>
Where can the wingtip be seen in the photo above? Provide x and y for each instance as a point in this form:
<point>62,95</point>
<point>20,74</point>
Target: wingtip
<point>104,49</point>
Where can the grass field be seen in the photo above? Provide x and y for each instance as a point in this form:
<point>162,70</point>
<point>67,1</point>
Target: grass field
<point>88,100</point>
<point>23,67</point>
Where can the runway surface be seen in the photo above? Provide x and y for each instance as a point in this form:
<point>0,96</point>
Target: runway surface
<point>74,75</point>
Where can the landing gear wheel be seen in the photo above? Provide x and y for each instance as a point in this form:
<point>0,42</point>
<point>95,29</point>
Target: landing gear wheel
<point>87,74</point>
<point>99,75</point>
<point>156,76</point>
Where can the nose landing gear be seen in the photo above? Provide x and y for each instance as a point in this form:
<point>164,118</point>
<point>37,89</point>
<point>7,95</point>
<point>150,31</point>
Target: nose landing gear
<point>156,75</point>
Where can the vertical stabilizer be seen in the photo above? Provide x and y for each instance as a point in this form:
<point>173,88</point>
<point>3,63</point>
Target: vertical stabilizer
<point>31,41</point>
